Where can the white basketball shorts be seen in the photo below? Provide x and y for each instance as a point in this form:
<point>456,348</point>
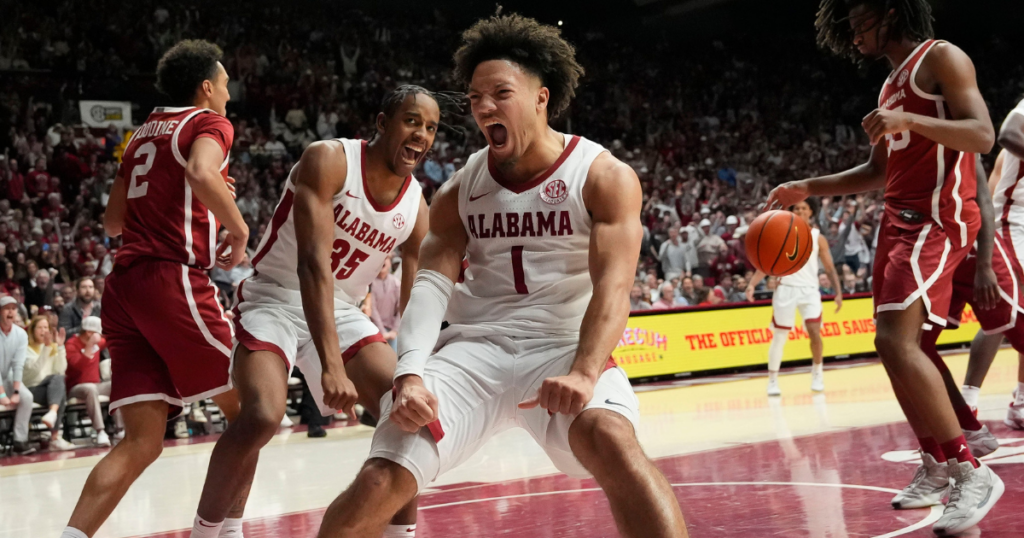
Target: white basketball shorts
<point>788,299</point>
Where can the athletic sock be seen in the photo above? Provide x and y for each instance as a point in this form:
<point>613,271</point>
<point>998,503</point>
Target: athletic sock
<point>930,446</point>
<point>232,528</point>
<point>71,532</point>
<point>956,451</point>
<point>775,349</point>
<point>205,529</point>
<point>970,395</point>
<point>1020,394</point>
<point>965,416</point>
<point>817,368</point>
<point>400,531</point>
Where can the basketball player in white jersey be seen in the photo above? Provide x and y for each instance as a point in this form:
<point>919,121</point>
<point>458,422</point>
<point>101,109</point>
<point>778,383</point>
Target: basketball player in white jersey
<point>347,205</point>
<point>799,291</point>
<point>1008,202</point>
<point>549,224</point>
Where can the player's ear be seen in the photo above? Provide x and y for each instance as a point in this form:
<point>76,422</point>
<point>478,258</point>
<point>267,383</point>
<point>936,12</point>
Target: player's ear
<point>207,88</point>
<point>543,96</point>
<point>381,122</point>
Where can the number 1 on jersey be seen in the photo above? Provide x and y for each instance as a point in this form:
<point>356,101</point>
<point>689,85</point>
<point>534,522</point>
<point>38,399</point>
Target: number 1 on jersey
<point>517,270</point>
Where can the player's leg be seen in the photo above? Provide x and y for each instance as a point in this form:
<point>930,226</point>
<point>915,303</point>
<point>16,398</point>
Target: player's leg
<point>817,355</point>
<point>261,379</point>
<point>783,317</point>
<point>642,500</point>
<point>379,492</point>
<point>145,423</point>
<point>983,351</point>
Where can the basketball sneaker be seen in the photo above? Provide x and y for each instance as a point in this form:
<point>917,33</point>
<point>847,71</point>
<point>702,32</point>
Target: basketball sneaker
<point>817,381</point>
<point>773,387</point>
<point>927,488</point>
<point>981,442</point>
<point>1015,416</point>
<point>972,493</point>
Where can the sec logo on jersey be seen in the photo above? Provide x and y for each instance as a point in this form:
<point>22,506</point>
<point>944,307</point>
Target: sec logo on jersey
<point>554,192</point>
<point>398,221</point>
<point>903,78</point>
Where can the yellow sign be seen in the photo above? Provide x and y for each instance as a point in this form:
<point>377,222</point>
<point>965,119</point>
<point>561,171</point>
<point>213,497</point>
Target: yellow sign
<point>692,341</point>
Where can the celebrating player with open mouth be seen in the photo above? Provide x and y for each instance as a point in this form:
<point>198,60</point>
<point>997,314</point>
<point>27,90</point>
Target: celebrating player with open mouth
<point>930,121</point>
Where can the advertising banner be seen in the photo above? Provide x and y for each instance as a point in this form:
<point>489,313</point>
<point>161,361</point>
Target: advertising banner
<point>732,337</point>
<point>105,113</point>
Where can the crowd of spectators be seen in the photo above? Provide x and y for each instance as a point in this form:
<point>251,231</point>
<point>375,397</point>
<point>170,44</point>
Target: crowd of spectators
<point>709,128</point>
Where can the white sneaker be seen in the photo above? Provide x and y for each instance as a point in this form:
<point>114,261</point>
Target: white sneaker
<point>60,445</point>
<point>181,429</point>
<point>817,381</point>
<point>973,492</point>
<point>50,419</point>
<point>773,387</point>
<point>102,439</point>
<point>1015,417</point>
<point>286,422</point>
<point>981,442</point>
<point>119,435</point>
<point>197,414</point>
<point>927,488</point>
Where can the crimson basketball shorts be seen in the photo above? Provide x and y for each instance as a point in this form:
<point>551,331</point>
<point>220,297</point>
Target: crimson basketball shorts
<point>168,336</point>
<point>270,318</point>
<point>916,261</point>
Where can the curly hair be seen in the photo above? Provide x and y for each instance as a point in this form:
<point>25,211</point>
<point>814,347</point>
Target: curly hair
<point>538,48</point>
<point>184,67</point>
<point>910,19</point>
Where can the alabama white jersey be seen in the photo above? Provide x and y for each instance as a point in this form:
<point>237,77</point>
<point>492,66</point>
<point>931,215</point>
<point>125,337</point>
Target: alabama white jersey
<point>364,232</point>
<point>528,251</point>
<point>807,276</point>
<point>1008,198</point>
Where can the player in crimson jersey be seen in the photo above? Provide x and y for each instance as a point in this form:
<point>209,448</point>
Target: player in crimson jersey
<point>346,207</point>
<point>169,340</point>
<point>930,121</point>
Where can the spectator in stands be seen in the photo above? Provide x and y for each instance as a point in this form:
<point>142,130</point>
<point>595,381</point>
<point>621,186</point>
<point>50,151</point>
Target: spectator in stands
<point>715,297</point>
<point>851,284</point>
<point>687,294</point>
<point>636,299</point>
<point>674,254</point>
<point>700,291</point>
<point>824,286</point>
<point>39,289</point>
<point>385,306</point>
<point>83,372</point>
<point>708,249</point>
<point>13,347</point>
<point>725,284</point>
<point>739,287</point>
<point>45,364</point>
<point>84,305</point>
<point>666,297</point>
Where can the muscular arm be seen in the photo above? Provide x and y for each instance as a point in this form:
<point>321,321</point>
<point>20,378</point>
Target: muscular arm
<point>117,206</point>
<point>1011,134</point>
<point>411,252</point>
<point>968,129</point>
<point>203,174</point>
<point>613,197</point>
<point>869,176</point>
<point>319,177</point>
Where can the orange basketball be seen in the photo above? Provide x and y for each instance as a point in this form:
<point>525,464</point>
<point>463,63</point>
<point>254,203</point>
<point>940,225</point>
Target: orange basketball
<point>778,243</point>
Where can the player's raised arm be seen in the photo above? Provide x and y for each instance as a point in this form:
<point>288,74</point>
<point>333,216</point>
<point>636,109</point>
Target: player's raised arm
<point>970,127</point>
<point>1011,134</point>
<point>440,261</point>
<point>613,197</point>
<point>203,174</point>
<point>319,177</point>
<point>866,177</point>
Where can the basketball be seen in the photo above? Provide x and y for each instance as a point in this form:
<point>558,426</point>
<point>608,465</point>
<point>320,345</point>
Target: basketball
<point>778,243</point>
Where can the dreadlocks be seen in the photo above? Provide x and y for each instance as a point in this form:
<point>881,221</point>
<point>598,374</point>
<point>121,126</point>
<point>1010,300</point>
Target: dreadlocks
<point>910,19</point>
<point>447,102</point>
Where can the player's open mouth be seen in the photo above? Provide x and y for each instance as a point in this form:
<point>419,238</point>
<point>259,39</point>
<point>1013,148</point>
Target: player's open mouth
<point>498,134</point>
<point>411,154</point>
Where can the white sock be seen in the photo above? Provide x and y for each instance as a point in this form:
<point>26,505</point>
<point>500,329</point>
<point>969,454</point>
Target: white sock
<point>71,532</point>
<point>775,349</point>
<point>970,395</point>
<point>400,531</point>
<point>232,528</point>
<point>1020,394</point>
<point>818,368</point>
<point>205,529</point>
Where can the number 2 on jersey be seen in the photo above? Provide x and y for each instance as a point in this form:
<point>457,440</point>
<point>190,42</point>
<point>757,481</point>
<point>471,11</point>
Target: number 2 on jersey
<point>341,249</point>
<point>136,189</point>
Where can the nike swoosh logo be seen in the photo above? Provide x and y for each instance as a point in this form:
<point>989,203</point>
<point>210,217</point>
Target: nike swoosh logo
<point>796,248</point>
<point>609,402</point>
<point>350,195</point>
<point>475,198</point>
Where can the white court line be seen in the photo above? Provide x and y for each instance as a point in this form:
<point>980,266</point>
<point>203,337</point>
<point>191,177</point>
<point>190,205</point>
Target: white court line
<point>933,514</point>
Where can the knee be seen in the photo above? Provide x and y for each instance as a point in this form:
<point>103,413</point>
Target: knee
<point>146,448</point>
<point>380,478</point>
<point>258,421</point>
<point>58,382</point>
<point>889,344</point>
<point>26,396</point>
<point>600,434</point>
